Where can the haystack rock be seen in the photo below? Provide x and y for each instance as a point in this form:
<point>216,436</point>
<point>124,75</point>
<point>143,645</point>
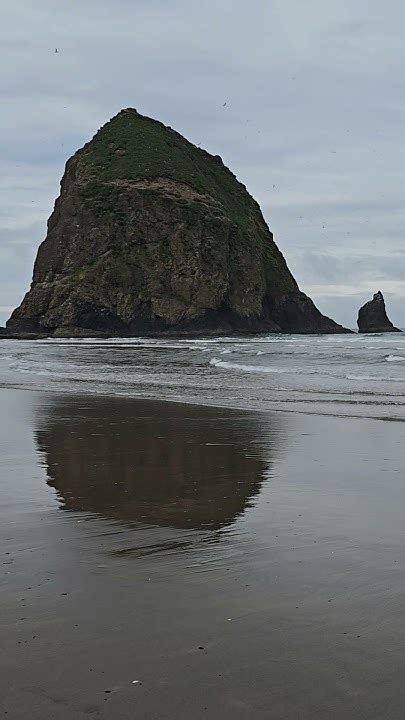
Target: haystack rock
<point>152,235</point>
<point>373,317</point>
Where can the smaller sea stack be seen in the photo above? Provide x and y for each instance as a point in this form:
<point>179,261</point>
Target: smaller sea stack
<point>373,317</point>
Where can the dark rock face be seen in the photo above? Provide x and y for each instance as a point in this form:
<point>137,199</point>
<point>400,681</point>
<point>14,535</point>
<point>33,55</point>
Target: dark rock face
<point>373,317</point>
<point>150,234</point>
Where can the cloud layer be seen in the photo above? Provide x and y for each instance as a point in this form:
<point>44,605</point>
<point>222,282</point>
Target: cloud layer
<point>313,121</point>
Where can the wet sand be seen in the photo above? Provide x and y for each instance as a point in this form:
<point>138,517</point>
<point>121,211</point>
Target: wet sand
<point>169,561</point>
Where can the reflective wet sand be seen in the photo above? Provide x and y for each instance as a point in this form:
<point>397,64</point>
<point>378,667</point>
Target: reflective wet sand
<point>170,561</point>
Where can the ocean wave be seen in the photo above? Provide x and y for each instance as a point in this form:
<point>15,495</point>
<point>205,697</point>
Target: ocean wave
<point>112,343</point>
<point>394,358</point>
<point>374,378</point>
<point>258,368</point>
<point>245,368</point>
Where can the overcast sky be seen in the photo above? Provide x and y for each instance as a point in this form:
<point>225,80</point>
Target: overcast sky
<point>313,122</point>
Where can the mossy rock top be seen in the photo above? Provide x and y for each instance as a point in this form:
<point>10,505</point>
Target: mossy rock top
<point>132,146</point>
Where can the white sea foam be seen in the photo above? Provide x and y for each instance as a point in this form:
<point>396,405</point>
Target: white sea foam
<point>244,368</point>
<point>258,368</point>
<point>394,358</point>
<point>374,378</point>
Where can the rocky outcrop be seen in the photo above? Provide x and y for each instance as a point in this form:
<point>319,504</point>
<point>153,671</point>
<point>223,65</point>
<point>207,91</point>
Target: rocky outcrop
<point>151,234</point>
<point>373,317</point>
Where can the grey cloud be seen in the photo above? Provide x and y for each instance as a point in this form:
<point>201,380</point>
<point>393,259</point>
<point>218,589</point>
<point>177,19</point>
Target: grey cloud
<point>314,107</point>
<point>345,271</point>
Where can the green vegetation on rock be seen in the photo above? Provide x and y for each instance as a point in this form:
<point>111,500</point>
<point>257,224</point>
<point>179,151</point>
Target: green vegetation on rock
<point>132,146</point>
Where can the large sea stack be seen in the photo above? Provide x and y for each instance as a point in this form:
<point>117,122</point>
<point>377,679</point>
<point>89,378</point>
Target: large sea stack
<point>151,234</point>
<point>373,316</point>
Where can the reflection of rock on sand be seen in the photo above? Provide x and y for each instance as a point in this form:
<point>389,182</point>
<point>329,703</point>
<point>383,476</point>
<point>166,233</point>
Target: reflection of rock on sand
<point>158,463</point>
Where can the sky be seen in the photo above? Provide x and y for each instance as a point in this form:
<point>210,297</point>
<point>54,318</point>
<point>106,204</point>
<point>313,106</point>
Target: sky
<point>304,101</point>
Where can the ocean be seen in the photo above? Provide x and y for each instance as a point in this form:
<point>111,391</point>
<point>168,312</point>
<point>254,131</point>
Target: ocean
<point>355,376</point>
<point>234,552</point>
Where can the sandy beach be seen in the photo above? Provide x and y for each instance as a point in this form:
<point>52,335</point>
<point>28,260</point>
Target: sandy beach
<point>164,561</point>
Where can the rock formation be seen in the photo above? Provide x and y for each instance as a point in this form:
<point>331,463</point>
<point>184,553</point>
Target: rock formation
<point>373,317</point>
<point>151,234</point>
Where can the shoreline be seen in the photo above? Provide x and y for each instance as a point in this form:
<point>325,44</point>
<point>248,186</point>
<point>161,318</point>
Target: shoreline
<point>329,376</point>
<point>191,403</point>
<point>206,332</point>
<point>226,560</point>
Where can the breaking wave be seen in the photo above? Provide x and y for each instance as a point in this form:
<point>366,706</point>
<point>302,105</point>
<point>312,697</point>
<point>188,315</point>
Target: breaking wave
<point>258,368</point>
<point>295,373</point>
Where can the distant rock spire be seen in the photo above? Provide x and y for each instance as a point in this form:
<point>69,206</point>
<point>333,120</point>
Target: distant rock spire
<point>373,317</point>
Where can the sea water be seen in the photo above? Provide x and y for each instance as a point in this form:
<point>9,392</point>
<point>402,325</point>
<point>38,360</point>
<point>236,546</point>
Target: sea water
<point>357,375</point>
